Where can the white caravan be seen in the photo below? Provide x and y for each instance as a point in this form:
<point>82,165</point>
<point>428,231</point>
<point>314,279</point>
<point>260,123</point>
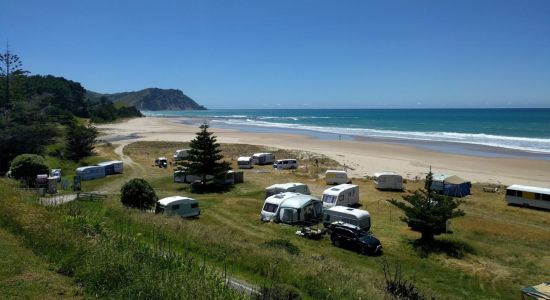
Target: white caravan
<point>529,196</point>
<point>180,154</point>
<point>285,164</point>
<point>343,195</point>
<point>336,177</point>
<point>279,188</point>
<point>180,206</point>
<point>270,210</point>
<point>353,216</point>
<point>244,162</point>
<point>388,181</point>
<point>263,158</point>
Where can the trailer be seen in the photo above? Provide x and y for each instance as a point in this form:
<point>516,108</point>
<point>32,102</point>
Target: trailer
<point>388,181</point>
<point>279,188</point>
<point>263,158</point>
<point>112,167</point>
<point>244,162</point>
<point>336,177</point>
<point>353,216</point>
<point>90,172</point>
<point>184,207</point>
<point>342,194</point>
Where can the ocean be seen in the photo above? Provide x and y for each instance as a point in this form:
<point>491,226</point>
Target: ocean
<point>524,130</point>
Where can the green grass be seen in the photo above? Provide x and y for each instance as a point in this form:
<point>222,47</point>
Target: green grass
<point>23,275</point>
<point>494,251</point>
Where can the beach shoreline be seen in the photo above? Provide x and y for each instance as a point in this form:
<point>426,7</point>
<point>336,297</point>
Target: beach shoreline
<point>362,156</point>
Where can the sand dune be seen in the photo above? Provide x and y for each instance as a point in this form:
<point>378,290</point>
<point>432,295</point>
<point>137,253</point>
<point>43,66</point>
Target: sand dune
<point>363,157</point>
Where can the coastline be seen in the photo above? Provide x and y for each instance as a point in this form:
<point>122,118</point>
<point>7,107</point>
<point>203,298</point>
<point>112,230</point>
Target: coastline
<point>363,156</point>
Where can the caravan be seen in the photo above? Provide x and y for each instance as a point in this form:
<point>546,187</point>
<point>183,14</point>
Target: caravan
<point>263,158</point>
<point>295,187</point>
<point>353,216</point>
<point>388,181</point>
<point>180,154</point>
<point>90,172</point>
<point>343,195</point>
<point>336,177</point>
<point>112,167</point>
<point>244,162</point>
<point>180,206</point>
<point>528,196</point>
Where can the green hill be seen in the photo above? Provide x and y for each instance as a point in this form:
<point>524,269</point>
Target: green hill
<point>151,99</point>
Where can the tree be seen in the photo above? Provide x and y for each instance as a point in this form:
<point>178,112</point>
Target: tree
<point>80,141</point>
<point>27,166</point>
<point>204,157</point>
<point>428,212</point>
<point>138,193</point>
<point>10,69</point>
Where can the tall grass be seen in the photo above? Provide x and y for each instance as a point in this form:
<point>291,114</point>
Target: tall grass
<point>107,263</point>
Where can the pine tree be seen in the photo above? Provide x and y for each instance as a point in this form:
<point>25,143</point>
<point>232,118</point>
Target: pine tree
<point>204,157</point>
<point>80,141</point>
<point>428,212</point>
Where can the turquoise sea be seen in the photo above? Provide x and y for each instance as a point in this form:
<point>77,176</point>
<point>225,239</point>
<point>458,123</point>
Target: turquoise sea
<point>526,130</point>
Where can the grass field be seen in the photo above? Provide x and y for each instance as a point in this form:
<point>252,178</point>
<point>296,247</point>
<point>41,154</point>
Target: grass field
<point>494,251</point>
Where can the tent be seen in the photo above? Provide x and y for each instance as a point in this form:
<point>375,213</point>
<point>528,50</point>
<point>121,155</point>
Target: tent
<point>453,186</point>
<point>541,291</point>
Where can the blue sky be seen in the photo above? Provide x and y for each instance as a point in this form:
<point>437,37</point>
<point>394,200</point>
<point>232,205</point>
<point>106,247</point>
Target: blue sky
<point>294,54</point>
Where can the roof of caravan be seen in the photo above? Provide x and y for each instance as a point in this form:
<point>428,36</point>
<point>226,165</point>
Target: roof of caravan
<point>162,158</point>
<point>296,200</point>
<point>260,154</point>
<point>526,188</point>
<point>284,186</point>
<point>88,167</point>
<point>175,199</point>
<point>280,198</point>
<point>106,163</point>
<point>335,190</point>
<point>241,158</point>
<point>540,291</point>
<point>180,150</point>
<point>336,171</point>
<point>359,213</point>
<point>378,174</point>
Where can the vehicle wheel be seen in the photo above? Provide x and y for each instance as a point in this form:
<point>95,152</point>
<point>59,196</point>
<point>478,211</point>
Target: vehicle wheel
<point>336,242</point>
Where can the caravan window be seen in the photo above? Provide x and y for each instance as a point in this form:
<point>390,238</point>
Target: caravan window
<point>340,198</point>
<point>510,192</point>
<point>270,207</point>
<point>194,205</point>
<point>545,197</point>
<point>329,199</point>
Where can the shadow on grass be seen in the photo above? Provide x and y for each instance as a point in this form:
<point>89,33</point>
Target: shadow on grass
<point>455,249</point>
<point>211,188</point>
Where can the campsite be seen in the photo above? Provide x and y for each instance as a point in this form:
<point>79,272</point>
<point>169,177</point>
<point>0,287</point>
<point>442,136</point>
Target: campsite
<point>229,228</point>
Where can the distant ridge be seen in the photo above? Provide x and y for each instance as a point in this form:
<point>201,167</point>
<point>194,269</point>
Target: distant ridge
<point>151,99</point>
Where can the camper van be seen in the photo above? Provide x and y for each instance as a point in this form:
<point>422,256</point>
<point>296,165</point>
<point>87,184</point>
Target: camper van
<point>529,196</point>
<point>112,167</point>
<point>91,172</point>
<point>336,177</point>
<point>295,187</point>
<point>244,162</point>
<point>353,216</point>
<point>180,206</point>
<point>299,209</point>
<point>270,210</point>
<point>180,154</point>
<point>343,195</point>
<point>388,181</point>
<point>285,164</point>
<point>263,158</point>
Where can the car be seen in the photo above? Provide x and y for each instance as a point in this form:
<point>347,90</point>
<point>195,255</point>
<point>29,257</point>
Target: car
<point>351,236</point>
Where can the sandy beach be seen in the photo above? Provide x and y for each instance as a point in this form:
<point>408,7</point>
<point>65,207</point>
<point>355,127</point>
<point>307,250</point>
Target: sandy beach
<point>363,157</point>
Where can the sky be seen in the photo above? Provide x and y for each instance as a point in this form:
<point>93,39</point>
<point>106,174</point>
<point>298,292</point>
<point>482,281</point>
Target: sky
<point>296,53</point>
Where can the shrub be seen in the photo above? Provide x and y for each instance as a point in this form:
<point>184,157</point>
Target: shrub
<point>27,166</point>
<point>283,244</point>
<point>138,193</point>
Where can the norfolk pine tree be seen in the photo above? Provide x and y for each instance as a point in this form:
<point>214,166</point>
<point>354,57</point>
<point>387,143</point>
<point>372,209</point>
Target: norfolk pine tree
<point>428,212</point>
<point>204,156</point>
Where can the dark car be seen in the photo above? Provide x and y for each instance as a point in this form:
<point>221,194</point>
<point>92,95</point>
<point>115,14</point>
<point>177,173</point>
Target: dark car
<point>353,237</point>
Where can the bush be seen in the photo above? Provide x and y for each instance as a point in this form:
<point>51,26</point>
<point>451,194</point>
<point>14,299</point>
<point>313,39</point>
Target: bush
<point>279,292</point>
<point>138,193</point>
<point>283,244</point>
<point>27,166</point>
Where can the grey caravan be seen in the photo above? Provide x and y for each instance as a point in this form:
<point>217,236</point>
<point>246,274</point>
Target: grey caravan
<point>90,172</point>
<point>300,209</point>
<point>263,158</point>
<point>180,206</point>
<point>295,187</point>
<point>353,216</point>
<point>112,167</point>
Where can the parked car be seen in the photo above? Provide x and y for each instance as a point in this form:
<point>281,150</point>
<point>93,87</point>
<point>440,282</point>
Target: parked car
<point>353,237</point>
